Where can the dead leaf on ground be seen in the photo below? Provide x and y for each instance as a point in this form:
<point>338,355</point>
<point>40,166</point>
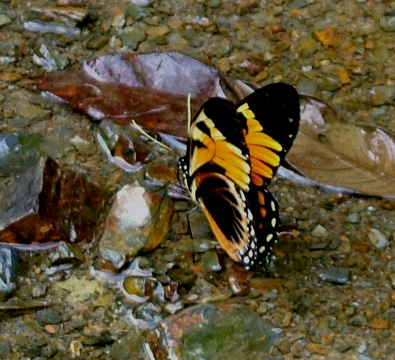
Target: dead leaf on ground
<point>150,89</point>
<point>332,152</point>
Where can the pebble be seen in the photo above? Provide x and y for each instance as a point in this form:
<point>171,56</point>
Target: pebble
<point>387,23</point>
<point>48,316</point>
<point>119,20</point>
<point>328,36</point>
<point>133,36</point>
<point>383,94</point>
<point>39,290</point>
<point>5,349</point>
<point>377,239</point>
<point>358,320</point>
<point>142,3</point>
<point>9,262</point>
<point>4,20</point>
<point>157,31</point>
<point>339,276</point>
<point>223,64</point>
<point>128,346</point>
<point>319,231</point>
<point>211,261</point>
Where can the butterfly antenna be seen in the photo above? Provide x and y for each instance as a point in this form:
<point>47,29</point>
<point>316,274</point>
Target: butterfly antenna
<point>142,131</point>
<point>189,110</point>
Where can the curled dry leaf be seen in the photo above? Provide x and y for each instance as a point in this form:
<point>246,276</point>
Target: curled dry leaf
<point>150,89</point>
<point>360,158</point>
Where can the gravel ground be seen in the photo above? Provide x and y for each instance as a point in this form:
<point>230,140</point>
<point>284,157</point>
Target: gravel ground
<point>331,292</point>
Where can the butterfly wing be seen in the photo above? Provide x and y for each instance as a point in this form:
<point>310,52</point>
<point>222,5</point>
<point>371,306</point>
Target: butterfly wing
<point>272,114</point>
<point>225,207</point>
<point>217,144</point>
<point>217,173</point>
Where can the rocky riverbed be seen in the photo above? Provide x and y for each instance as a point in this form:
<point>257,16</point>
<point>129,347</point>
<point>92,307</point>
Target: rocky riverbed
<point>329,293</point>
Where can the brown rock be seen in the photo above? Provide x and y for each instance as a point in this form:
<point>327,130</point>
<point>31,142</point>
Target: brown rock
<point>327,37</point>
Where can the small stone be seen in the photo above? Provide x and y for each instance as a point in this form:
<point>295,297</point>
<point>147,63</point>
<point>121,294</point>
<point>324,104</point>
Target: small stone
<point>96,41</point>
<point>329,83</point>
<point>142,3</point>
<point>39,290</point>
<point>224,64</point>
<point>8,267</point>
<point>261,76</point>
<point>238,282</point>
<point>271,295</point>
<point>214,3</point>
<point>176,41</point>
<point>308,87</point>
<point>199,227</point>
<point>84,147</point>
<point>327,37</point>
<point>135,14</point>
<point>132,39</point>
<point>317,348</point>
<point>382,95</point>
<point>343,75</point>
<point>75,348</point>
<point>377,239</point>
<point>353,218</point>
<point>344,246</point>
<point>29,111</point>
<point>158,30</point>
<point>4,20</point>
<point>162,173</point>
<point>379,323</point>
<point>211,261</point>
<point>135,286</point>
<point>387,204</point>
<point>319,231</point>
<point>50,329</point>
<point>176,24</point>
<point>358,321</point>
<point>339,276</point>
<point>128,347</point>
<point>5,349</point>
<point>387,23</point>
<point>48,316</point>
<point>119,20</point>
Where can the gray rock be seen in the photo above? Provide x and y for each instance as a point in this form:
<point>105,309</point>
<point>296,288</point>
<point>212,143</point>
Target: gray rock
<point>338,276</point>
<point>377,239</point>
<point>8,269</point>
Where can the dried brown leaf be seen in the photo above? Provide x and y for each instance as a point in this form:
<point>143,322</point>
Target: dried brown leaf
<point>331,152</point>
<point>150,89</point>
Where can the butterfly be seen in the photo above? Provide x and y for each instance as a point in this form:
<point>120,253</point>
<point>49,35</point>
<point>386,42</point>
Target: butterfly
<point>233,152</point>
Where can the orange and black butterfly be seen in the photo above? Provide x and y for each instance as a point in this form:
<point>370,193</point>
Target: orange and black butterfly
<point>232,154</point>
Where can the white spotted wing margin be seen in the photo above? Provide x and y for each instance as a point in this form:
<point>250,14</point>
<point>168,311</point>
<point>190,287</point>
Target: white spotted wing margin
<point>266,224</point>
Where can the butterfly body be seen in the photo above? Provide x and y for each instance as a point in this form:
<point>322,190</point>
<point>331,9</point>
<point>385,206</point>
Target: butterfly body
<point>232,155</point>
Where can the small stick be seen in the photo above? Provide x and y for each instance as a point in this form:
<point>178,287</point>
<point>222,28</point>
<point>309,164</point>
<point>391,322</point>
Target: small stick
<point>142,131</point>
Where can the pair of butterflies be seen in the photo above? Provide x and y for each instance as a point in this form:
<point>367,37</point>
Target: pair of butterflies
<point>232,154</point>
